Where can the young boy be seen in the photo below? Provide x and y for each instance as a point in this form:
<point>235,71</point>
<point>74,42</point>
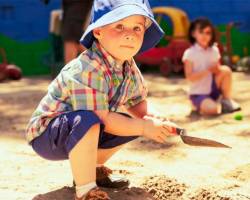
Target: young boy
<point>78,119</point>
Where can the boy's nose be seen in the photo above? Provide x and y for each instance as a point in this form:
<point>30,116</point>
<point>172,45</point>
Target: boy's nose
<point>129,37</point>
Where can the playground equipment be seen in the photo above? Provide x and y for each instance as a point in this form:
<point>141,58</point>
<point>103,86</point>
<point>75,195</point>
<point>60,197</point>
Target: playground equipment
<point>8,71</point>
<point>228,57</point>
<point>168,58</point>
<point>179,18</point>
<point>54,57</point>
<point>226,48</point>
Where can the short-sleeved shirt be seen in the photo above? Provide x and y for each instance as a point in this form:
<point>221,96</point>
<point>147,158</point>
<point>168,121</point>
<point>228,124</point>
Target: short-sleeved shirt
<point>92,81</point>
<point>201,59</point>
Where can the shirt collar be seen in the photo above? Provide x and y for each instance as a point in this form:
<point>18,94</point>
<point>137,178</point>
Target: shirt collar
<point>111,60</point>
<point>199,47</point>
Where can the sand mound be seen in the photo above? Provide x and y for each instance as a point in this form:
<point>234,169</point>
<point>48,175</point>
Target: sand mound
<point>133,193</point>
<point>241,173</point>
<point>162,187</point>
<point>203,194</point>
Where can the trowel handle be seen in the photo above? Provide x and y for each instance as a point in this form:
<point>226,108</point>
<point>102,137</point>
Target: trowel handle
<point>176,130</point>
<point>181,131</point>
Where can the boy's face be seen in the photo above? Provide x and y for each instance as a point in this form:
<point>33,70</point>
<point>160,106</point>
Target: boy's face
<point>122,39</point>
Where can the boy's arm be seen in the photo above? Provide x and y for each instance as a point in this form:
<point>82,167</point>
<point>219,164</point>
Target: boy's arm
<point>142,110</point>
<point>121,125</point>
<point>118,124</point>
<point>190,75</point>
<point>139,110</point>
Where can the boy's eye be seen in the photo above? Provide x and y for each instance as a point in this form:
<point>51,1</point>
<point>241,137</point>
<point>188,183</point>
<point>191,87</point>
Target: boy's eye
<point>120,27</point>
<point>137,28</point>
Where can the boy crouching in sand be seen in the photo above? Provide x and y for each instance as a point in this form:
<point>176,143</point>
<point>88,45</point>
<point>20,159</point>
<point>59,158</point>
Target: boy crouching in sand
<point>78,120</point>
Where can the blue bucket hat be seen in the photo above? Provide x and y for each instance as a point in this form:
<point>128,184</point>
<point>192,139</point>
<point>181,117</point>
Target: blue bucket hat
<point>109,11</point>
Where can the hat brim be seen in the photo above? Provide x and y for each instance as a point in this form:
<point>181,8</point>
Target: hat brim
<point>152,34</point>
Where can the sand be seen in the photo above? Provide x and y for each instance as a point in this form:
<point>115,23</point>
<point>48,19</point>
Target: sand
<point>157,171</point>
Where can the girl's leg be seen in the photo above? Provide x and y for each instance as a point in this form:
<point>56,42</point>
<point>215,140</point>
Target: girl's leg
<point>224,81</point>
<point>210,107</point>
<point>83,157</point>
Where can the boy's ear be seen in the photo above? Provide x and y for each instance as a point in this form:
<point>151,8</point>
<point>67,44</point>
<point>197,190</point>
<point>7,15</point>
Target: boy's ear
<point>97,33</point>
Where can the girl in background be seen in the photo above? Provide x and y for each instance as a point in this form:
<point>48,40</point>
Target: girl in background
<point>210,82</point>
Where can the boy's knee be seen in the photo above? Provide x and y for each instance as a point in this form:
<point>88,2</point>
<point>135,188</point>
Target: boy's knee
<point>94,129</point>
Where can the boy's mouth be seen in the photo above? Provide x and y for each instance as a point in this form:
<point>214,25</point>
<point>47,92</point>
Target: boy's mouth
<point>127,46</point>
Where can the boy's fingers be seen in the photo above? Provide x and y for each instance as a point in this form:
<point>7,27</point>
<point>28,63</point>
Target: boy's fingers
<point>170,129</point>
<point>161,139</point>
<point>165,119</point>
<point>165,133</point>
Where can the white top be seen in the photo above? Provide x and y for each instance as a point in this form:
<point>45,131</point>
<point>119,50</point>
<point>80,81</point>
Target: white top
<point>202,59</point>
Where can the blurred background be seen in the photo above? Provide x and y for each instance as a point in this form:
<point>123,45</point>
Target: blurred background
<point>30,34</point>
<point>32,49</point>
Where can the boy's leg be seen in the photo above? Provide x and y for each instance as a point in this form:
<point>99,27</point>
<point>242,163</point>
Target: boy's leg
<point>73,136</point>
<point>66,130</point>
<point>83,157</point>
<point>104,154</point>
<point>108,145</point>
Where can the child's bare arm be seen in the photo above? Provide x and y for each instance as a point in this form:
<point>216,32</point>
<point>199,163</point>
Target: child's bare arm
<point>142,110</point>
<point>215,68</point>
<point>190,75</point>
<point>139,110</point>
<point>118,124</point>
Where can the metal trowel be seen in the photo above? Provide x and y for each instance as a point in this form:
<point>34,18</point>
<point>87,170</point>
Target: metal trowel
<point>195,141</point>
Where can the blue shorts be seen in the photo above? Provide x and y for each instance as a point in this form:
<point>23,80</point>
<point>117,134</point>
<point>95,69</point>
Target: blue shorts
<point>215,94</point>
<point>64,131</point>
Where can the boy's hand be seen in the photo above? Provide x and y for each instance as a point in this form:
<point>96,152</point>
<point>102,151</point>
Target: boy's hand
<point>158,130</point>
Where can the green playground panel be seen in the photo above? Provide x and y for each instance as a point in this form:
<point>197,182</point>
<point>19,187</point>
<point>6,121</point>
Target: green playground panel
<point>240,40</point>
<point>28,56</point>
<point>36,58</point>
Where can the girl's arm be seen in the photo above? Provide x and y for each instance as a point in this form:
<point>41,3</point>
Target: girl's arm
<point>190,75</point>
<point>215,68</point>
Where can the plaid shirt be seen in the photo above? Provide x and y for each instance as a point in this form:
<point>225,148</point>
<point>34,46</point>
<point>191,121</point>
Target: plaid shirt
<point>93,81</point>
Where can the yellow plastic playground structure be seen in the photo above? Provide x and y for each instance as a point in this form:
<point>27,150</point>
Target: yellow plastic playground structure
<point>178,17</point>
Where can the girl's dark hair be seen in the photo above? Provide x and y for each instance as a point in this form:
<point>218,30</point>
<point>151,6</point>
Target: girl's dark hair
<point>201,23</point>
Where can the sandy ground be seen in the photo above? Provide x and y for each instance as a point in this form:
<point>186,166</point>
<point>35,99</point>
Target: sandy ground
<point>170,171</point>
